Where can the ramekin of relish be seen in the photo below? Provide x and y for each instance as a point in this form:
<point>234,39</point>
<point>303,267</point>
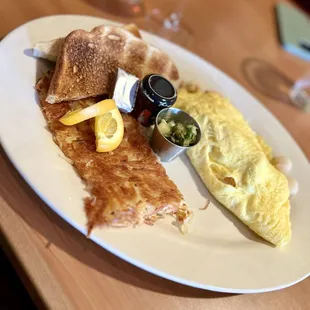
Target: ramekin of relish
<point>154,94</point>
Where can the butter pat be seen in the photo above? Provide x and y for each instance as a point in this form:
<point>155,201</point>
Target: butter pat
<point>125,91</point>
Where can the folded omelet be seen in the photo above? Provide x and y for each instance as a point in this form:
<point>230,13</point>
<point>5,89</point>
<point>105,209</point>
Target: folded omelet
<point>234,163</point>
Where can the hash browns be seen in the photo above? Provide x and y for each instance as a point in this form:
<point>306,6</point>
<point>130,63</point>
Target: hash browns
<point>127,186</point>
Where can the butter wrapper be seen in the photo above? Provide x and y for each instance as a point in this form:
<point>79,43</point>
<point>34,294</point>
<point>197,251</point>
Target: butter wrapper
<point>125,91</point>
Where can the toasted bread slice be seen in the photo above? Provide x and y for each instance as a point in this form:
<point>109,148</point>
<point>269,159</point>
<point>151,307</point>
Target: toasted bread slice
<point>132,28</point>
<point>127,186</point>
<point>50,49</point>
<point>88,61</point>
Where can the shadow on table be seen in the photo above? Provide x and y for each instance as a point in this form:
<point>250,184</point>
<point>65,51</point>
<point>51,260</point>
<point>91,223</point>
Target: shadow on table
<point>62,235</point>
<point>267,79</point>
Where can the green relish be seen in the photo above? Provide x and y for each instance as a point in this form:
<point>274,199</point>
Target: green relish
<point>178,133</point>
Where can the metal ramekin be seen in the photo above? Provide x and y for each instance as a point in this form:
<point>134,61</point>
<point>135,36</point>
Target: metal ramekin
<point>164,148</point>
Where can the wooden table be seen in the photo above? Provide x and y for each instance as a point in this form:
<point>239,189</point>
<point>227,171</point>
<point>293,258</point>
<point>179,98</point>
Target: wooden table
<point>64,270</point>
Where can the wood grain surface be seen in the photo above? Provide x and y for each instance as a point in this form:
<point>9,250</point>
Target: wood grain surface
<point>64,270</point>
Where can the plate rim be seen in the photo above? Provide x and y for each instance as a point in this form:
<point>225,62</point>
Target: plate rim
<point>114,250</point>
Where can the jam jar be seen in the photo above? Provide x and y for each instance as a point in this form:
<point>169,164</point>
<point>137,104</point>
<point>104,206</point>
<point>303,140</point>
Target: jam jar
<point>154,94</point>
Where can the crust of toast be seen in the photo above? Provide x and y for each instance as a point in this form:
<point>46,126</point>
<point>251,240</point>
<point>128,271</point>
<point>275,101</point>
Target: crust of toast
<point>87,63</point>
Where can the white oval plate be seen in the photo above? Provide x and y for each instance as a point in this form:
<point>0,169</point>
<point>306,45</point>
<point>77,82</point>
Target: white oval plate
<point>219,253</point>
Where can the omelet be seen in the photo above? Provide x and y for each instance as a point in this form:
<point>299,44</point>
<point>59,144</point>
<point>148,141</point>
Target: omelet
<point>235,165</point>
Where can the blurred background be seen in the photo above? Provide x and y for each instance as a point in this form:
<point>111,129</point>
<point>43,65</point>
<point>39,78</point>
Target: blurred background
<point>240,37</point>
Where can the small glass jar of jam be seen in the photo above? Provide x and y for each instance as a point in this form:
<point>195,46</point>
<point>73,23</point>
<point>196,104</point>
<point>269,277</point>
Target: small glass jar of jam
<point>154,94</point>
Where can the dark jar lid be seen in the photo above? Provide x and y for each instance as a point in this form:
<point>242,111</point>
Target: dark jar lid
<point>155,93</point>
<point>159,90</point>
